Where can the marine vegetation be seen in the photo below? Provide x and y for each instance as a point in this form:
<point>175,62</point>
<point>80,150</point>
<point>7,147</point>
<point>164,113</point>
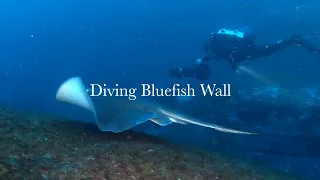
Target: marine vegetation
<point>37,146</point>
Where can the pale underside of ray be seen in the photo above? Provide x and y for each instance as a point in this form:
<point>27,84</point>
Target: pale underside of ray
<point>117,114</point>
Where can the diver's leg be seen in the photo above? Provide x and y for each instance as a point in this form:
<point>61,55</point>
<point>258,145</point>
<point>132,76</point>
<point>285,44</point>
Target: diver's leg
<point>201,72</point>
<point>298,40</point>
<point>268,50</point>
<point>255,52</point>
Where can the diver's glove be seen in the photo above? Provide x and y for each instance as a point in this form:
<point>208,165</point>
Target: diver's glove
<point>198,61</point>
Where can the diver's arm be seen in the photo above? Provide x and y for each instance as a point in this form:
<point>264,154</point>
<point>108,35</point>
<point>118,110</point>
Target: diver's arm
<point>304,43</point>
<point>207,58</point>
<point>204,60</point>
<point>230,60</point>
<point>233,64</point>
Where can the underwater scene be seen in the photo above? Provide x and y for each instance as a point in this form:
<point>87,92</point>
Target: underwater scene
<point>160,90</point>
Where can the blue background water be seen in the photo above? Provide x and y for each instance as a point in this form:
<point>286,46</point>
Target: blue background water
<point>45,42</point>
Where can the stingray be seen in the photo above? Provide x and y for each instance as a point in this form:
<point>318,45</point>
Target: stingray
<point>117,114</point>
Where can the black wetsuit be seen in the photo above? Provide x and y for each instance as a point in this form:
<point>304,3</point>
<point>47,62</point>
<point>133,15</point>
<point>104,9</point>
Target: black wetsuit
<point>235,50</point>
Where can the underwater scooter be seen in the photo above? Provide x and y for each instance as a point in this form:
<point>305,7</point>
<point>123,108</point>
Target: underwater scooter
<point>74,92</point>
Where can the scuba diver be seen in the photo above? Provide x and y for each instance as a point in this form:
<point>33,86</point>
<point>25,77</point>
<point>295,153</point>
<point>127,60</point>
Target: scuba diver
<point>235,47</point>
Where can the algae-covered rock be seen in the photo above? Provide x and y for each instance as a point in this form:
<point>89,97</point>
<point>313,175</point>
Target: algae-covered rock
<point>51,148</point>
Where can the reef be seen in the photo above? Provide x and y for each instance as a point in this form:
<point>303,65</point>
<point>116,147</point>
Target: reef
<point>37,146</point>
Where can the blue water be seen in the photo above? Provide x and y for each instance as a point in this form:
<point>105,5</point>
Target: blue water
<point>44,43</point>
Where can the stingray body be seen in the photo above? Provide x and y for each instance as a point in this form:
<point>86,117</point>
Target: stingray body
<point>117,114</point>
